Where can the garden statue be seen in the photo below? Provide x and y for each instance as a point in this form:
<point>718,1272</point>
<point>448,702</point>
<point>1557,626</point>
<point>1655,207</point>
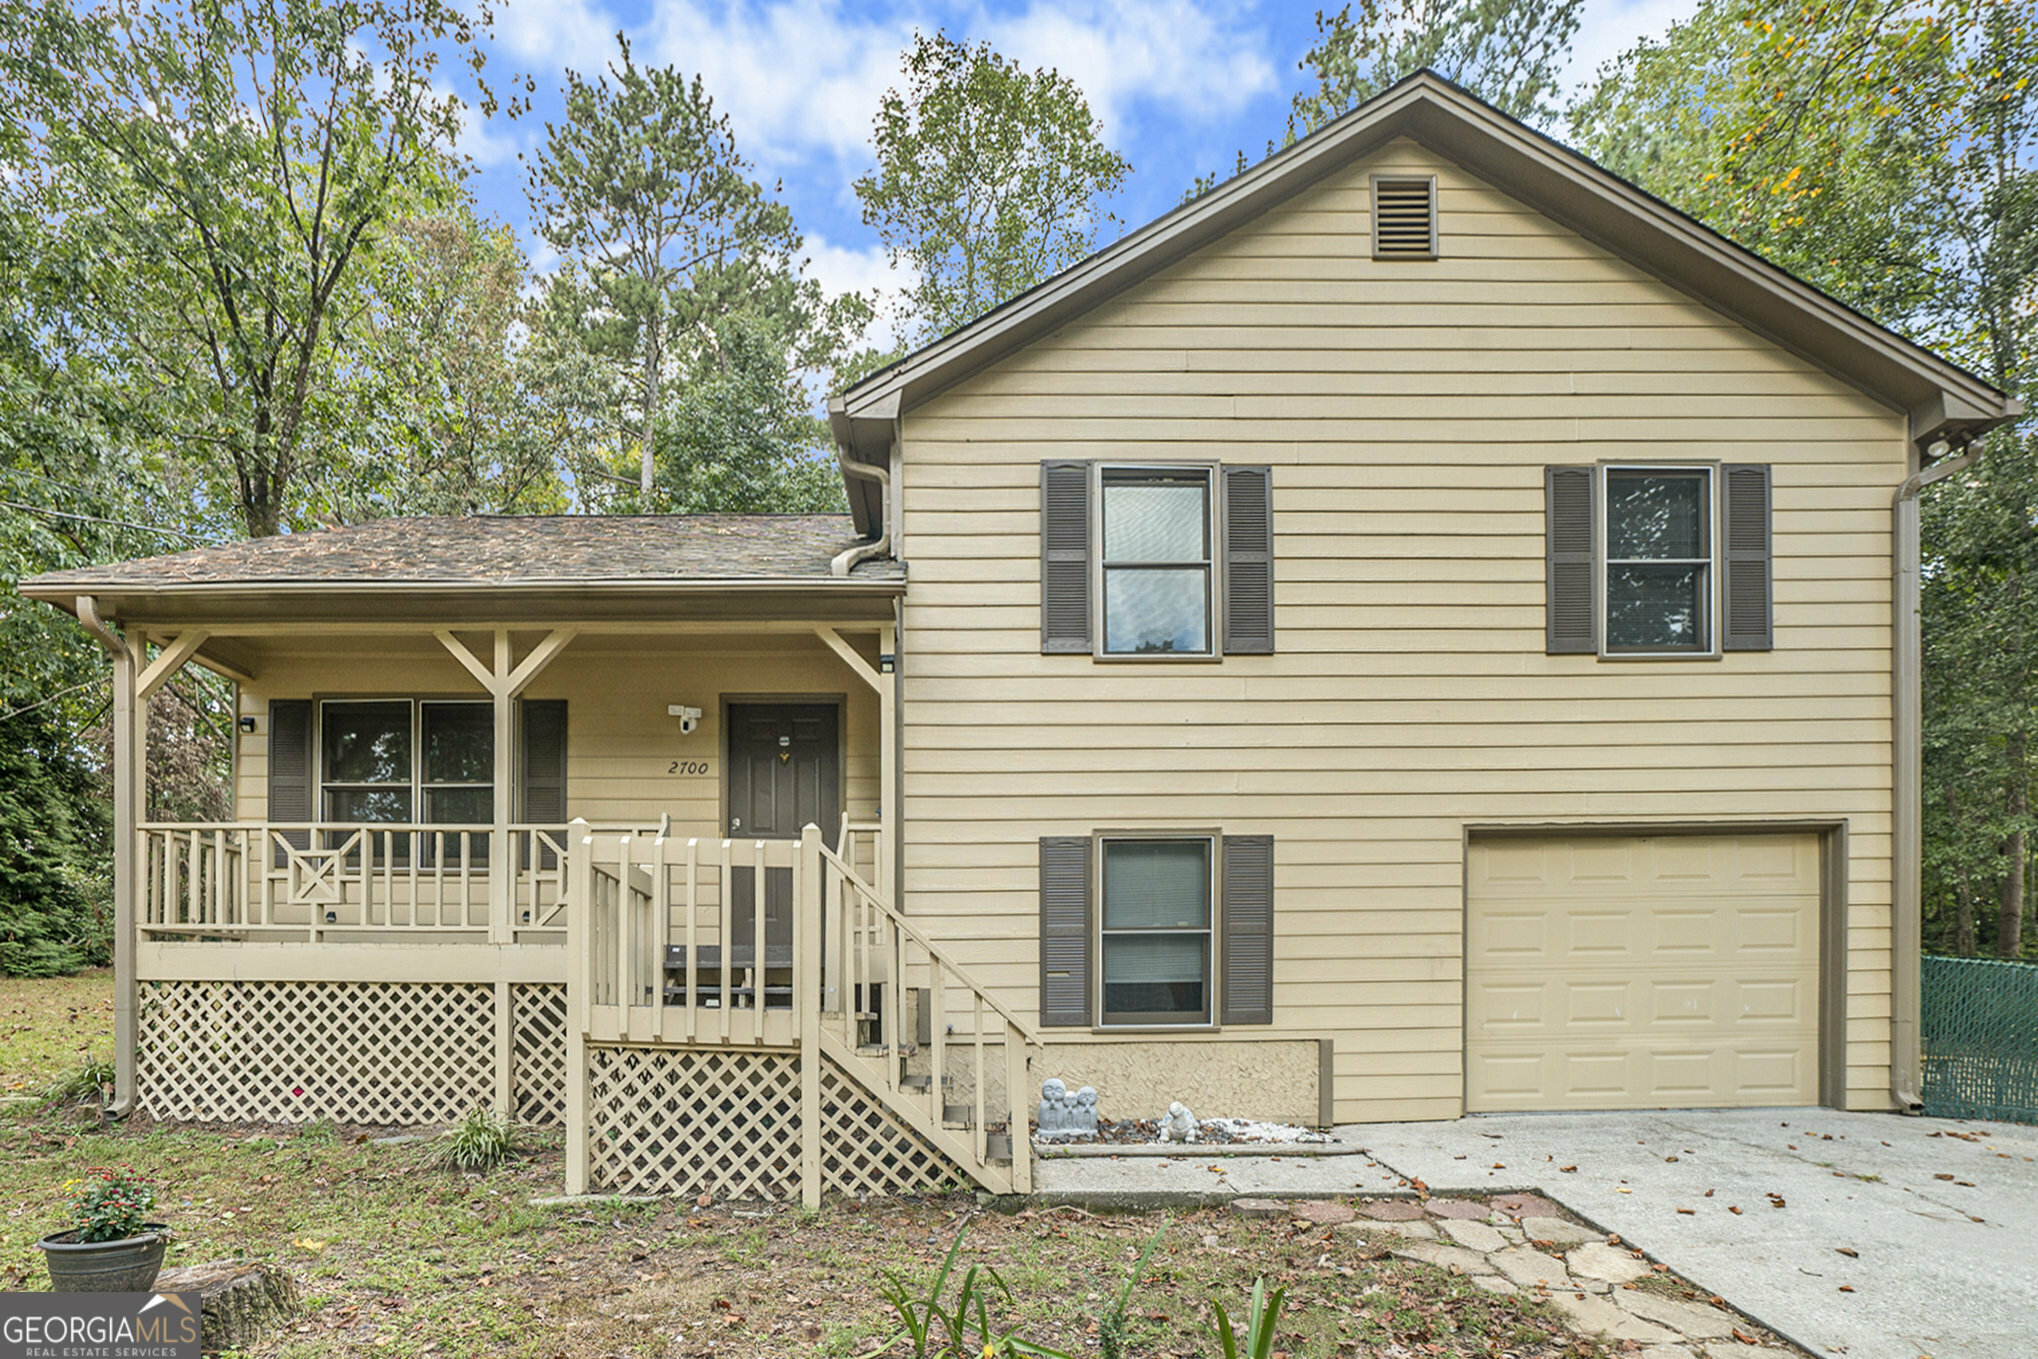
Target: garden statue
<point>1053,1117</point>
<point>1179,1125</point>
<point>1085,1116</point>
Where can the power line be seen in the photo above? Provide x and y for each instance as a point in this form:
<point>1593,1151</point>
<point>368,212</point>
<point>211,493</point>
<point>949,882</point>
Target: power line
<point>111,523</point>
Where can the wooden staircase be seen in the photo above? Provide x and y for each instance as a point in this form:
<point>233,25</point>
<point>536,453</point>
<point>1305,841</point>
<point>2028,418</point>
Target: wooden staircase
<point>666,953</point>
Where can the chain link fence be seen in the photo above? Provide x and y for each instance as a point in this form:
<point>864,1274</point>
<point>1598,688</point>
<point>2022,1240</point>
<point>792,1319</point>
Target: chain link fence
<point>1980,1023</point>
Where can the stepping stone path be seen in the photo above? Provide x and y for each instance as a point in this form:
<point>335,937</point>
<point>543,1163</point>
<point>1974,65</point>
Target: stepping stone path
<point>1522,1244</point>
<point>1323,1212</point>
<point>1260,1207</point>
<point>1390,1210</point>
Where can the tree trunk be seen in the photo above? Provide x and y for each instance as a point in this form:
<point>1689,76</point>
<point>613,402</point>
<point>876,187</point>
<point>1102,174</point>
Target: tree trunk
<point>1963,919</point>
<point>2010,923</point>
<point>238,1302</point>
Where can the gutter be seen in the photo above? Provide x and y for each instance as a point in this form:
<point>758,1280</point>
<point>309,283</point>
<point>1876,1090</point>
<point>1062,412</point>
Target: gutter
<point>1906,913</point>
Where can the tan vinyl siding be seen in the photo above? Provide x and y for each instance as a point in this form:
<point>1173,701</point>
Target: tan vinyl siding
<point>620,741</point>
<point>1407,410</point>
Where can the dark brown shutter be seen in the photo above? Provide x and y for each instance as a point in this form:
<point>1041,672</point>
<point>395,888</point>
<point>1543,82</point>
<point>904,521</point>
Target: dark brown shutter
<point>1246,911</point>
<point>541,792</point>
<point>1746,586</point>
<point>1570,612</point>
<point>1065,931</point>
<point>1064,557</point>
<point>1248,561</point>
<point>292,769</point>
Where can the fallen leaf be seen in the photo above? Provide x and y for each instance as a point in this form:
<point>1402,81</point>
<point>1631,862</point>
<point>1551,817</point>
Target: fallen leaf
<point>1846,1288</point>
<point>1849,1252</point>
<point>1743,1336</point>
<point>1568,1170</point>
<point>1689,1212</point>
<point>1735,1211</point>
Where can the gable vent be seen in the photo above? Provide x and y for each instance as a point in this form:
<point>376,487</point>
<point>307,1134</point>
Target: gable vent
<point>1405,219</point>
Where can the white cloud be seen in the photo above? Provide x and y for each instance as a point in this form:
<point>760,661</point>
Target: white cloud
<point>1608,28</point>
<point>553,35</point>
<point>846,269</point>
<point>1177,54</point>
<point>487,141</point>
<point>794,77</point>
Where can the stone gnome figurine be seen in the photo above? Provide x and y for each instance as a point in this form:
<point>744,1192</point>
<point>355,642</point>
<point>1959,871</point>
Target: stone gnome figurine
<point>1179,1125</point>
<point>1062,1114</point>
<point>1053,1116</point>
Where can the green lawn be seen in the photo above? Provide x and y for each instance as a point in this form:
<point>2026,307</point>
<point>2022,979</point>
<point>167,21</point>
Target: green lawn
<point>49,1028</point>
<point>397,1256</point>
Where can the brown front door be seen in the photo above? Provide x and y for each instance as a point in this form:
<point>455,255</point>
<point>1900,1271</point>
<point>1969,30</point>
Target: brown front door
<point>785,770</point>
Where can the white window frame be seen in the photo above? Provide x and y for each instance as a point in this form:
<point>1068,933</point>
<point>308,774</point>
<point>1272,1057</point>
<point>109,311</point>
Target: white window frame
<point>1213,928</point>
<point>1213,564</point>
<point>1710,596</point>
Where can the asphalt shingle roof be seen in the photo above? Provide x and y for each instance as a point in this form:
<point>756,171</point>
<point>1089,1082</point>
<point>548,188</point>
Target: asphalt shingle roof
<point>509,549</point>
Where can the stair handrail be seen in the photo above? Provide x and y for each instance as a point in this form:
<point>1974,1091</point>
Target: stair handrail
<point>934,951</point>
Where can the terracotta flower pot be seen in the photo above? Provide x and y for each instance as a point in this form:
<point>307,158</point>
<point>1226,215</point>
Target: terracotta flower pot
<point>128,1265</point>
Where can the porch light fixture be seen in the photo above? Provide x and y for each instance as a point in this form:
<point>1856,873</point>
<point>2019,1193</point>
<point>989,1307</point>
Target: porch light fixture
<point>247,724</point>
<point>887,663</point>
<point>332,917</point>
<point>689,718</point>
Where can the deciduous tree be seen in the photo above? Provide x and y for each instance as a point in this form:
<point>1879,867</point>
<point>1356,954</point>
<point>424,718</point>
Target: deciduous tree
<point>989,179</point>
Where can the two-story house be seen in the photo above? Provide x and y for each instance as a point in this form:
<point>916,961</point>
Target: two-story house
<point>1423,628</point>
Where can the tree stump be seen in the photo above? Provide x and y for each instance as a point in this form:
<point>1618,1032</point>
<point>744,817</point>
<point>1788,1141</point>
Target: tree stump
<point>240,1301</point>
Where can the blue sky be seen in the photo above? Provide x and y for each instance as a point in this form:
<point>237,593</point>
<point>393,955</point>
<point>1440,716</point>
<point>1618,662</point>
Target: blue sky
<point>1180,85</point>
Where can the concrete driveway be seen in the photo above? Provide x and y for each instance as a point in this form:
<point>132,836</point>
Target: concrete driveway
<point>1942,1215</point>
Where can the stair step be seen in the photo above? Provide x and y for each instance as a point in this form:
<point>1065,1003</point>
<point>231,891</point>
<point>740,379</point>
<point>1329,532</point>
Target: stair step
<point>912,1082</point>
<point>878,1053</point>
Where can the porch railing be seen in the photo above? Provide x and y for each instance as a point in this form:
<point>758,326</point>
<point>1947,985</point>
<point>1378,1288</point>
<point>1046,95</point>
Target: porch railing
<point>783,943</point>
<point>316,880</point>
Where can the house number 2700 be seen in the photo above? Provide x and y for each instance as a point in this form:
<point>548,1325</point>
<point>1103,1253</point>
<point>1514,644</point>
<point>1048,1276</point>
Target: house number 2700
<point>688,767</point>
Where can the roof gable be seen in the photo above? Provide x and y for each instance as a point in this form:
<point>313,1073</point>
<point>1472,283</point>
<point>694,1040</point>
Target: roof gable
<point>1941,399</point>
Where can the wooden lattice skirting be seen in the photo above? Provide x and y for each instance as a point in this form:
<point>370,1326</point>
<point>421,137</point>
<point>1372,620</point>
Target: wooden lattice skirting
<point>382,1053</point>
<point>538,1052</point>
<point>727,1123</point>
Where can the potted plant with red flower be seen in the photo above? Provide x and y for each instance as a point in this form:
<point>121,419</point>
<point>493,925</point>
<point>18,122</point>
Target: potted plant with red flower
<point>112,1247</point>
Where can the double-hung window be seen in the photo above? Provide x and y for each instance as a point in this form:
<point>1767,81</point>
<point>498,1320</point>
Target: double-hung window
<point>1157,563</point>
<point>1155,938</point>
<point>1659,559</point>
<point>383,761</point>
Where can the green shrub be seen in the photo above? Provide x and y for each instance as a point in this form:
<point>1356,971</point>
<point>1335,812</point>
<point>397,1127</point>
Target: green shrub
<point>479,1142</point>
<point>86,1083</point>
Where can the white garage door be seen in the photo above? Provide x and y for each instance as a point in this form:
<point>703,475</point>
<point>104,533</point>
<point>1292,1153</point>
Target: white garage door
<point>1640,972</point>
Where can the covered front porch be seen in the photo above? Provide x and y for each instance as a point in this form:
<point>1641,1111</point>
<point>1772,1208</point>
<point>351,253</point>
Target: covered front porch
<point>413,786</point>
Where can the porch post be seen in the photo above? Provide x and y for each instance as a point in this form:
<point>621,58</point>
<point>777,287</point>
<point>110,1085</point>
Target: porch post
<point>130,791</point>
<point>501,856</point>
<point>891,814</point>
<point>808,894</point>
<point>579,973</point>
<point>505,1051</point>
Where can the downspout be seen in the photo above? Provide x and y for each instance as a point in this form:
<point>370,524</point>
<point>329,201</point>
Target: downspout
<point>1907,808</point>
<point>848,560</point>
<point>88,614</point>
<point>126,807</point>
